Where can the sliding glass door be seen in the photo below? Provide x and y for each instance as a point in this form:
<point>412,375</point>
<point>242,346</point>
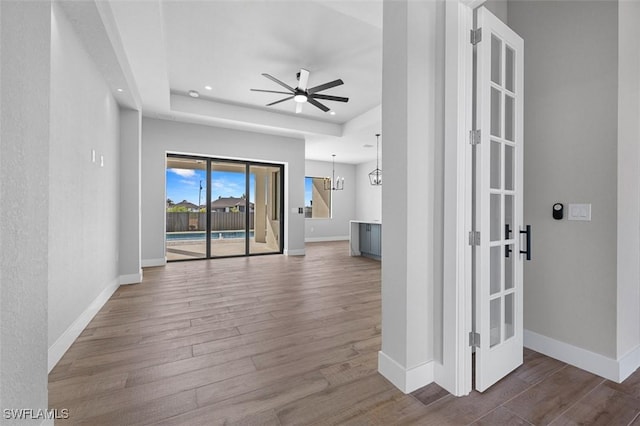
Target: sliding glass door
<point>229,212</point>
<point>265,186</point>
<point>186,180</point>
<point>238,210</point>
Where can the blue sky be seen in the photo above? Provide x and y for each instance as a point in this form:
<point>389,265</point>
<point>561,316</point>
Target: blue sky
<point>184,184</point>
<point>307,191</point>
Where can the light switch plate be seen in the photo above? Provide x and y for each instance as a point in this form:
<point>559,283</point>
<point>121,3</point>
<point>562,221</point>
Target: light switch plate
<point>579,212</point>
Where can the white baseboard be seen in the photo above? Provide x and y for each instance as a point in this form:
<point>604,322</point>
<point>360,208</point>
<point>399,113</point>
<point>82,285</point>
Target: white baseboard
<point>148,263</point>
<point>407,380</point>
<point>603,366</point>
<point>60,346</point>
<point>629,363</point>
<point>298,252</point>
<point>131,278</point>
<point>321,239</point>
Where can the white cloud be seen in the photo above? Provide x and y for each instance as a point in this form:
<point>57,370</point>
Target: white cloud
<point>185,173</point>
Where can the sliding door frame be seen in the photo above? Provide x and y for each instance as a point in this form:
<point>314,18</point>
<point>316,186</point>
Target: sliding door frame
<point>247,163</point>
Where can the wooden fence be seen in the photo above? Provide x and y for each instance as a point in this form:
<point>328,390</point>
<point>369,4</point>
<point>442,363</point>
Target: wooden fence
<point>185,221</point>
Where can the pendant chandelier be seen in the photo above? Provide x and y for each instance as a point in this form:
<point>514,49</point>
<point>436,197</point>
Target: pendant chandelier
<point>375,177</point>
<point>334,184</point>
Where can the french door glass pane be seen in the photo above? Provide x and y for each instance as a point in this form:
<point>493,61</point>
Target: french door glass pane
<point>186,180</point>
<point>508,267</point>
<point>509,173</point>
<point>496,113</point>
<point>229,208</point>
<point>510,61</point>
<point>495,321</point>
<point>496,268</point>
<point>496,164</point>
<point>496,60</point>
<point>508,217</point>
<point>509,118</point>
<point>265,194</point>
<point>494,214</point>
<point>508,316</point>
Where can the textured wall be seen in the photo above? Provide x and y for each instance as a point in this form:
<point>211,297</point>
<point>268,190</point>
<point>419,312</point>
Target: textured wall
<point>24,161</point>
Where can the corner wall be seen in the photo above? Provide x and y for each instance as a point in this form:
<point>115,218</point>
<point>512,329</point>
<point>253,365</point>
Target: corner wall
<point>25,61</point>
<point>570,155</point>
<point>161,136</point>
<point>342,203</point>
<point>83,214</point>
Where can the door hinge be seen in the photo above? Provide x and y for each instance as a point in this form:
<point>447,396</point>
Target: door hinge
<point>474,238</point>
<point>476,36</point>
<point>474,339</point>
<point>474,137</point>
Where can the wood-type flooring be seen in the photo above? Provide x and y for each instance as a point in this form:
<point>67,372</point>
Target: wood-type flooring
<point>288,340</point>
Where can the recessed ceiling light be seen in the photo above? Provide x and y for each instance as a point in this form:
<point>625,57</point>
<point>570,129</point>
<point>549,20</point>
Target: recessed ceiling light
<point>367,145</point>
<point>120,90</point>
<point>332,112</point>
<point>194,94</point>
<point>208,87</point>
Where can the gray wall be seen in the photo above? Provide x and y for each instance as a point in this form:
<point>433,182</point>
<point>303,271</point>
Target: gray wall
<point>368,197</point>
<point>84,196</point>
<point>570,134</point>
<point>342,202</point>
<point>160,136</point>
<point>25,52</point>
<point>130,254</point>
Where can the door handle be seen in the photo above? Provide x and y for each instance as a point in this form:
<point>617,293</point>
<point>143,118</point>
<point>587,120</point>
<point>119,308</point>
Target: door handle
<point>527,232</point>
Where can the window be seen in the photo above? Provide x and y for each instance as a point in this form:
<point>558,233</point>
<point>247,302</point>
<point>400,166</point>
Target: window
<point>317,199</point>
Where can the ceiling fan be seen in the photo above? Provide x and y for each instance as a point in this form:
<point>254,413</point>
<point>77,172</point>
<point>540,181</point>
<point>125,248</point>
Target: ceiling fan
<point>302,94</point>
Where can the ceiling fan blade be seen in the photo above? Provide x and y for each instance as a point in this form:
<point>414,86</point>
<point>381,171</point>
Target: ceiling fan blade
<point>298,107</point>
<point>317,104</point>
<point>303,80</point>
<point>325,86</point>
<point>330,98</point>
<point>285,85</point>
<point>270,91</point>
<point>281,100</point>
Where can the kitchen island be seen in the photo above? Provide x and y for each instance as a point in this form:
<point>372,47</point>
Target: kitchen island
<point>365,238</point>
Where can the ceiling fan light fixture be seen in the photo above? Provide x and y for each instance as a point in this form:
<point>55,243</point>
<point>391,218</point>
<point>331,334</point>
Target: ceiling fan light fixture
<point>300,98</point>
<point>332,112</point>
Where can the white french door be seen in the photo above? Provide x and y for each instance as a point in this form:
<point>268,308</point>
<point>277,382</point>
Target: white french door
<point>501,239</point>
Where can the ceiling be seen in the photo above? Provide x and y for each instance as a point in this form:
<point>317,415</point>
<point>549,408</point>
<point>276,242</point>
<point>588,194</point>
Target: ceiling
<point>173,47</point>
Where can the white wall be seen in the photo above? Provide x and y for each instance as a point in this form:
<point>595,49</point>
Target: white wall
<point>570,154</point>
<point>25,52</point>
<point>160,136</point>
<point>342,203</point>
<point>368,197</point>
<point>84,196</point>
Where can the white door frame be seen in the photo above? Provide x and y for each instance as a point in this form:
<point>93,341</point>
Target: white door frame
<point>454,374</point>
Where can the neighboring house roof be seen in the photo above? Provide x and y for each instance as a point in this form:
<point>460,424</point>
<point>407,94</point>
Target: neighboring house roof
<point>224,202</point>
<point>185,203</point>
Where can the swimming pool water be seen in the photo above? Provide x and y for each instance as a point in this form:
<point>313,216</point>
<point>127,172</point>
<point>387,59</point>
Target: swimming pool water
<point>171,236</point>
